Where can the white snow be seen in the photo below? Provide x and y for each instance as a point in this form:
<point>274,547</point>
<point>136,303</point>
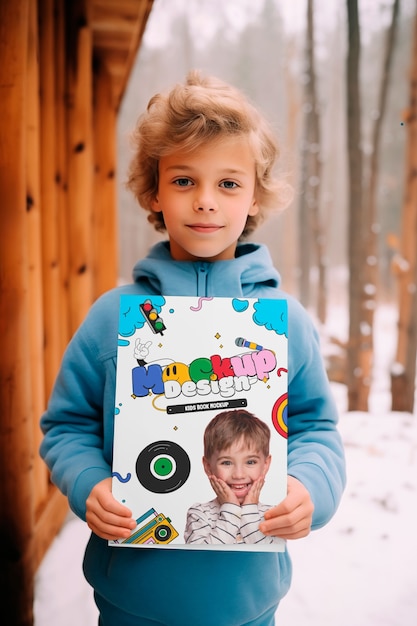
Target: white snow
<point>359,570</point>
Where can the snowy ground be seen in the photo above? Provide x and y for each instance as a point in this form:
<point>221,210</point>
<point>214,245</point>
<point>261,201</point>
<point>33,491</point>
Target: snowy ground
<point>360,570</point>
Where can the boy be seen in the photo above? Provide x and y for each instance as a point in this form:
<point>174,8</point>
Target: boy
<point>203,171</point>
<point>236,460</point>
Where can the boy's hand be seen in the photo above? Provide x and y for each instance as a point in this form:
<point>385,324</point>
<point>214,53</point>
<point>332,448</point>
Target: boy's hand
<point>222,490</point>
<point>291,518</point>
<point>255,491</point>
<point>105,516</point>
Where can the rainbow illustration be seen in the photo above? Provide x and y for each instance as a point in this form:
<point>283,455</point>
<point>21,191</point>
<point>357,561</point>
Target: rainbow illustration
<point>280,415</point>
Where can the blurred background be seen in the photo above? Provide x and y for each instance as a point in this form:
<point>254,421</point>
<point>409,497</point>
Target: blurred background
<point>334,80</point>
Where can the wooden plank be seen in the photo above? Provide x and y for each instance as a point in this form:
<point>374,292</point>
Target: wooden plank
<point>80,160</point>
<point>53,507</point>
<point>35,288</point>
<point>16,488</point>
<point>50,232</point>
<point>105,235</point>
<point>61,170</point>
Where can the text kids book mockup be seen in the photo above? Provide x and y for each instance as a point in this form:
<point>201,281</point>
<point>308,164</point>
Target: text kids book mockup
<point>181,362</point>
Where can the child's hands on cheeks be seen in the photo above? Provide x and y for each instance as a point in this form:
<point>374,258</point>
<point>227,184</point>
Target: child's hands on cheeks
<point>291,518</point>
<point>225,494</point>
<point>106,517</point>
<point>255,491</point>
<point>222,490</point>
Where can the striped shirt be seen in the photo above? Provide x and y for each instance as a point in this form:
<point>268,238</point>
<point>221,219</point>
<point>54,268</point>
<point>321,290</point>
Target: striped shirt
<point>211,523</point>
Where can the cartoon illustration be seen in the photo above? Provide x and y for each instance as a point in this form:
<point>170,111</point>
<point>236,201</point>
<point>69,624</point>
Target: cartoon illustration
<point>162,467</point>
<point>157,529</point>
<point>151,315</point>
<point>280,415</point>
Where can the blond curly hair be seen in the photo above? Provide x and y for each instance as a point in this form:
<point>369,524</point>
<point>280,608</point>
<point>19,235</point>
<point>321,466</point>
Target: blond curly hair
<point>191,114</point>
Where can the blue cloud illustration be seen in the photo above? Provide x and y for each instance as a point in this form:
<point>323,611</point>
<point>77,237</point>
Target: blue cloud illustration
<point>239,305</point>
<point>272,314</point>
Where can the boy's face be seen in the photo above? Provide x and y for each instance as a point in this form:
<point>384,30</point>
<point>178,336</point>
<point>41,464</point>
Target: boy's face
<point>238,466</point>
<point>205,197</point>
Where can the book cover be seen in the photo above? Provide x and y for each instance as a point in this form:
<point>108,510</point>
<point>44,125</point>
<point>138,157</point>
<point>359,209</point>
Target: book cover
<point>182,362</point>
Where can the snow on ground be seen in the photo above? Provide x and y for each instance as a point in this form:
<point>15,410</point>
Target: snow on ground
<point>359,570</point>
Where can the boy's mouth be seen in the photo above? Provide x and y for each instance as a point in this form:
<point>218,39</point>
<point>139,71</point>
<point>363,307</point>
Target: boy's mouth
<point>239,487</point>
<point>205,228</point>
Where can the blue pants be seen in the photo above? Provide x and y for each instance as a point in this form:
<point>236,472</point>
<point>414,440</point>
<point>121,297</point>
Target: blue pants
<point>112,616</point>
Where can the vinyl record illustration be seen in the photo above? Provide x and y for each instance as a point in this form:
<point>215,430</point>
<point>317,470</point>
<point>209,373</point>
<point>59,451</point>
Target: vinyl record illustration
<point>163,467</point>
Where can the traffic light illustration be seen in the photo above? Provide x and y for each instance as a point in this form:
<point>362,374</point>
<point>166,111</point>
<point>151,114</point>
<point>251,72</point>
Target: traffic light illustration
<point>151,315</point>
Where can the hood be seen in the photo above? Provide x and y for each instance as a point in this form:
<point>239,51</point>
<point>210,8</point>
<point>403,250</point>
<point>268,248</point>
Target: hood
<point>250,272</point>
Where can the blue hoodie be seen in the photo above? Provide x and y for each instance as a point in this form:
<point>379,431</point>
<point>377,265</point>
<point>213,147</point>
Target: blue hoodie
<point>180,587</point>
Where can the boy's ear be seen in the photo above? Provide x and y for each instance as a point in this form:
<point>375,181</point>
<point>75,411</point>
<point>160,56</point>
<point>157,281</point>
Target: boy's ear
<point>267,463</point>
<point>206,466</point>
<point>254,207</point>
<point>155,206</point>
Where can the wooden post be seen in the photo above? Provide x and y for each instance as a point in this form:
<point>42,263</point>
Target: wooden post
<point>16,456</point>
<point>50,230</point>
<point>35,286</point>
<point>61,169</point>
<point>80,161</point>
<point>51,506</point>
<point>105,223</point>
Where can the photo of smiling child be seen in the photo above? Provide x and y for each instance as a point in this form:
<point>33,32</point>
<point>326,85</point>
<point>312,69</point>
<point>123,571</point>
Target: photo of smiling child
<point>236,461</point>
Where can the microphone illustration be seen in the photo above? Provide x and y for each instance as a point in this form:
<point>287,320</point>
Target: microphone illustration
<point>244,343</point>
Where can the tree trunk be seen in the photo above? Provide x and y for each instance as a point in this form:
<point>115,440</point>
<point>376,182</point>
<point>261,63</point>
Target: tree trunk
<point>309,217</point>
<point>370,285</point>
<point>403,373</point>
<point>311,229</point>
<point>356,230</point>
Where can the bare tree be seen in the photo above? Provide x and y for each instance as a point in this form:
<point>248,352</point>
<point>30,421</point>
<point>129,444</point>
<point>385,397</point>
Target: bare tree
<point>403,373</point>
<point>357,223</point>
<point>371,216</point>
<point>311,228</point>
<point>363,231</point>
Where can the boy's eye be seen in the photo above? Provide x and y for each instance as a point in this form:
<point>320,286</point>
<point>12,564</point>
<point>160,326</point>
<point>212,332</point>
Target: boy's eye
<point>182,182</point>
<point>252,462</point>
<point>226,462</point>
<point>229,184</point>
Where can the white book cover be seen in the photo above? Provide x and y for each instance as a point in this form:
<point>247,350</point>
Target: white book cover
<point>181,362</point>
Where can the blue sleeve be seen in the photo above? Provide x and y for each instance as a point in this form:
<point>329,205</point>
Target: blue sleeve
<point>78,422</point>
<point>315,450</point>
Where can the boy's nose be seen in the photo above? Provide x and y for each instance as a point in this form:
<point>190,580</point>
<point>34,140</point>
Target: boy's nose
<point>205,208</point>
<point>205,201</point>
<point>238,472</point>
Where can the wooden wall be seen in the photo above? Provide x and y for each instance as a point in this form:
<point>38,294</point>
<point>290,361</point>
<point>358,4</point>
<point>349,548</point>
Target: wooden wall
<point>58,248</point>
